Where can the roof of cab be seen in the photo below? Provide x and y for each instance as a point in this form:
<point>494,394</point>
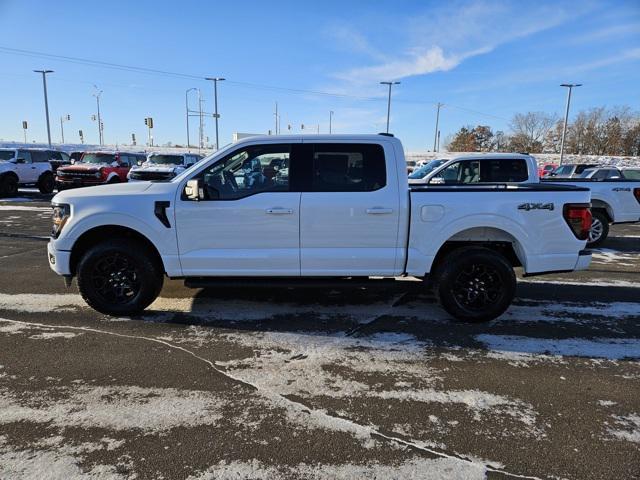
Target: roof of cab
<point>492,155</point>
<point>318,137</point>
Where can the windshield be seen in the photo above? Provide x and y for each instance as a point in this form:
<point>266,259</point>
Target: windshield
<point>427,168</point>
<point>6,154</point>
<point>98,158</point>
<point>166,159</point>
<point>587,173</point>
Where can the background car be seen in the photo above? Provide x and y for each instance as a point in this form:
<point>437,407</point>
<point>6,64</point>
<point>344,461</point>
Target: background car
<point>546,169</point>
<point>602,173</point>
<point>98,168</point>
<point>570,170</point>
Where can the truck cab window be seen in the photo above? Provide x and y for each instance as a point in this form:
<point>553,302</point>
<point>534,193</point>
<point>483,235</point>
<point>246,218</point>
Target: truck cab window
<point>248,171</point>
<point>348,168</point>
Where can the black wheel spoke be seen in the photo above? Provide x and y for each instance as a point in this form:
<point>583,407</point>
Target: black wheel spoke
<point>478,286</point>
<point>115,278</point>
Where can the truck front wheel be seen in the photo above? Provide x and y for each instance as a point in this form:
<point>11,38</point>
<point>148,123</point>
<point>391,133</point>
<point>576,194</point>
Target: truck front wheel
<point>8,185</point>
<point>46,183</point>
<point>118,277</point>
<point>475,284</point>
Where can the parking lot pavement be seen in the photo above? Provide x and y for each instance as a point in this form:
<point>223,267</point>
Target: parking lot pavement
<point>272,383</point>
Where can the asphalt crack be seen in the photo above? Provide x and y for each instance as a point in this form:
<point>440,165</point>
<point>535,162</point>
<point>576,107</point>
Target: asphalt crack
<point>279,399</point>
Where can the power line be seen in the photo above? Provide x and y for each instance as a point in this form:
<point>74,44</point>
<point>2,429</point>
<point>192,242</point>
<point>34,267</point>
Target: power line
<point>153,71</point>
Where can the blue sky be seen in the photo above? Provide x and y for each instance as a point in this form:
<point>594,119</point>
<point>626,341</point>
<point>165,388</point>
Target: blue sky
<point>485,60</point>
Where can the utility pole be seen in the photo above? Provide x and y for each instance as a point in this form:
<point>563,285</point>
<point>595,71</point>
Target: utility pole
<point>81,136</point>
<point>97,95</point>
<point>389,100</point>
<point>330,118</point>
<point>24,129</point>
<point>186,105</point>
<point>566,115</point>
<point>438,146</point>
<point>435,136</point>
<point>64,118</point>
<point>46,101</point>
<point>149,123</point>
<point>216,115</point>
<point>201,127</point>
<point>275,119</point>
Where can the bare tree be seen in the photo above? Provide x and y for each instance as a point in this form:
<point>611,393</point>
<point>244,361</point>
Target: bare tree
<point>529,130</point>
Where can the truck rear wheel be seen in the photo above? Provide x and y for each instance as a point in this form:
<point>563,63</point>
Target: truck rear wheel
<point>599,229</point>
<point>46,183</point>
<point>118,277</point>
<point>475,284</point>
<point>8,185</point>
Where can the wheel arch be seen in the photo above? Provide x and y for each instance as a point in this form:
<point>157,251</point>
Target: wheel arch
<point>95,235</point>
<point>602,205</point>
<point>492,238</point>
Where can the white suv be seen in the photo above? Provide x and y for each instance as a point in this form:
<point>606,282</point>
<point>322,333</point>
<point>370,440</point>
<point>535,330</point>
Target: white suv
<point>23,167</point>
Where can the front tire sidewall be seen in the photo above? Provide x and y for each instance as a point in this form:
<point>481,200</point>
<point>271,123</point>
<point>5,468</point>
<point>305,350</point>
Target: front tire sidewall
<point>459,261</point>
<point>148,271</point>
<point>8,186</point>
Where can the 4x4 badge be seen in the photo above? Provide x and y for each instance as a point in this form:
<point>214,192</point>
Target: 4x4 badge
<point>536,206</point>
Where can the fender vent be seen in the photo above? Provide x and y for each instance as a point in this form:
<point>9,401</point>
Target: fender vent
<point>160,211</point>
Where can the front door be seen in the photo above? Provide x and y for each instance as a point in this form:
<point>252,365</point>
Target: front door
<point>248,222</point>
<point>349,219</point>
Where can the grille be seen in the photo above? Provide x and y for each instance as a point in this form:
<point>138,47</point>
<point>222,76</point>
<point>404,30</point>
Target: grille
<point>151,175</point>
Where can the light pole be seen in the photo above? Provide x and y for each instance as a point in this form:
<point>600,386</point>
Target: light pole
<point>64,118</point>
<point>46,101</point>
<point>186,105</point>
<point>215,81</point>
<point>330,119</point>
<point>97,95</point>
<point>436,146</point>
<point>566,115</point>
<point>389,100</point>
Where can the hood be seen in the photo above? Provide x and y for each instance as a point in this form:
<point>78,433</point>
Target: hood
<point>83,167</point>
<point>156,167</point>
<point>68,196</point>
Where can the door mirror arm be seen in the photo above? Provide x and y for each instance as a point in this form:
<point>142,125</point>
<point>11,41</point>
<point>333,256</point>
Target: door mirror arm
<point>194,190</point>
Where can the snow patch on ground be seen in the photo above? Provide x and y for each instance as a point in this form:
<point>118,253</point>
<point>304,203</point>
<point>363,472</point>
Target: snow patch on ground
<point>434,469</point>
<point>21,208</point>
<point>607,255</point>
<point>117,408</point>
<point>628,428</point>
<point>50,335</point>
<point>610,348</point>
<point>40,302</point>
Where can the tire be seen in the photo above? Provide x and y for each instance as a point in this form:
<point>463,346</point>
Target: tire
<point>8,185</point>
<point>119,260</point>
<point>113,180</point>
<point>46,183</point>
<point>599,229</point>
<point>475,284</point>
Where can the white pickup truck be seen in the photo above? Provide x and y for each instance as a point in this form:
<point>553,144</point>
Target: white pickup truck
<point>315,210</point>
<point>612,201</point>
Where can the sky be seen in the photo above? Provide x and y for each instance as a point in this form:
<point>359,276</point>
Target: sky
<point>484,60</point>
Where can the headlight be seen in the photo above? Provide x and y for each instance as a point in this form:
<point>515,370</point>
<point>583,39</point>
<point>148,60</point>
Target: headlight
<point>98,174</point>
<point>61,214</point>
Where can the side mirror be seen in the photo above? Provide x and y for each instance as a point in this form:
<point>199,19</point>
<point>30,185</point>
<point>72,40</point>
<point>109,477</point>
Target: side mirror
<point>193,190</point>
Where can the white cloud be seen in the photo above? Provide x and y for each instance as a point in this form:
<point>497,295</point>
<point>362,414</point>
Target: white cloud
<point>443,38</point>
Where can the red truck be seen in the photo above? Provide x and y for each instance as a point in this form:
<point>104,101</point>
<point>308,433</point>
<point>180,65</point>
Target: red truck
<point>98,168</point>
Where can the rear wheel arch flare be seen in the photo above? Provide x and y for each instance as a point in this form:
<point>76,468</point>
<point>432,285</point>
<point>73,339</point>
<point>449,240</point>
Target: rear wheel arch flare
<point>488,237</point>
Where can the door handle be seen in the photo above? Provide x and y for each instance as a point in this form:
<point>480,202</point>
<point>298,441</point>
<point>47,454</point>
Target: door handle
<point>379,210</point>
<point>279,211</point>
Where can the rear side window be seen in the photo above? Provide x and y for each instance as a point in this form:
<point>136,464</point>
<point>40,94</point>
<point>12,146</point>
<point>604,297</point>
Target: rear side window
<point>54,155</point>
<point>39,156</point>
<point>503,170</point>
<point>347,167</point>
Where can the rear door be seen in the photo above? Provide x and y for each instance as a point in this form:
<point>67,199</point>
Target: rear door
<point>349,213</point>
<point>27,171</point>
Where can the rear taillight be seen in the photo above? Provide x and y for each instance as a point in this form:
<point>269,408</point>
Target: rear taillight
<point>578,217</point>
<point>636,193</point>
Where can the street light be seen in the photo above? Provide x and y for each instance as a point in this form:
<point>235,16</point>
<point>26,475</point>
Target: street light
<point>97,95</point>
<point>566,115</point>
<point>186,104</point>
<point>64,118</point>
<point>436,144</point>
<point>330,118</point>
<point>46,102</point>
<point>215,81</point>
<point>389,100</point>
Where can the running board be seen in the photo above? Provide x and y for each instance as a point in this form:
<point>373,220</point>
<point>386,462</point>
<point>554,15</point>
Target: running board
<point>298,282</point>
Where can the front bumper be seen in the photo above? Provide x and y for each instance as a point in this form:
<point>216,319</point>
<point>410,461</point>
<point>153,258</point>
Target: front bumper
<point>59,260</point>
